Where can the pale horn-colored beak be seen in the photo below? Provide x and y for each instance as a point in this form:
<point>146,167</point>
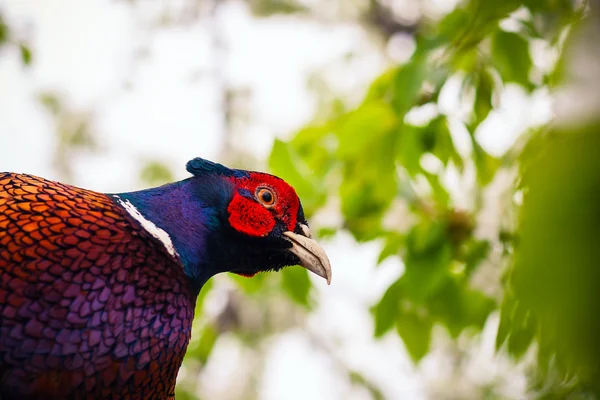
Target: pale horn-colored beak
<point>311,255</point>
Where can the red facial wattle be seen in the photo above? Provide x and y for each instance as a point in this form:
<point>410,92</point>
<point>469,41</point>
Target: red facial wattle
<point>249,216</point>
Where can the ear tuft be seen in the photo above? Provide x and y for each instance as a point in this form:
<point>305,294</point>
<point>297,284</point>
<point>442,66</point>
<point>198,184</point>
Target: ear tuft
<point>199,166</point>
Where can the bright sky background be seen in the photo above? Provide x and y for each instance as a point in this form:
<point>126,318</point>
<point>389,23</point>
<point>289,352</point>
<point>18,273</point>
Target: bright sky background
<point>168,110</point>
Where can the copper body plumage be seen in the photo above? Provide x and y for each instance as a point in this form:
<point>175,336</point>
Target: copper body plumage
<point>90,305</point>
<point>97,291</point>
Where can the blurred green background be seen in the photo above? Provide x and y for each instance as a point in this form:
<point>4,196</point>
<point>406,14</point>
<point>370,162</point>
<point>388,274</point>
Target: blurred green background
<point>489,233</point>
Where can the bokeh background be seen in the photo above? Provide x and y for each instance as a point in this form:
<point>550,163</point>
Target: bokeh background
<point>446,152</point>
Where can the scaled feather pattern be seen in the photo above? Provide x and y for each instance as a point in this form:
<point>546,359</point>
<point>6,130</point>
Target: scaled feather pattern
<point>97,291</point>
<point>82,291</point>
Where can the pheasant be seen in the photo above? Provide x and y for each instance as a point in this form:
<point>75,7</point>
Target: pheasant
<point>97,291</point>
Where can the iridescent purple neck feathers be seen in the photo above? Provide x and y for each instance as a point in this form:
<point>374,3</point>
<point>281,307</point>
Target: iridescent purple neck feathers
<point>181,216</point>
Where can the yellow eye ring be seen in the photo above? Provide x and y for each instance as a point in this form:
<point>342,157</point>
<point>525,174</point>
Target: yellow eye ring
<point>266,196</point>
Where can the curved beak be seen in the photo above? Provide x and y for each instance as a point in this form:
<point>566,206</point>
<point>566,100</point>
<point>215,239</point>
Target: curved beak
<point>311,255</point>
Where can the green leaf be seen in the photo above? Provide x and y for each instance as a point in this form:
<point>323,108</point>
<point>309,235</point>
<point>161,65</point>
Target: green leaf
<point>466,27</point>
<point>297,285</point>
<point>510,55</point>
<point>25,54</point>
<point>267,8</point>
<point>51,102</point>
<point>364,199</point>
<point>522,329</point>
<point>285,163</point>
<point>440,194</point>
<point>359,379</point>
<point>560,72</point>
<point>489,13</point>
<point>364,229</point>
<point>386,310</point>
<point>408,81</point>
<point>443,145</point>
<point>505,326</point>
<point>156,173</point>
<point>357,199</point>
<point>393,243</point>
<point>410,149</point>
<point>427,236</point>
<point>453,25</point>
<point>476,307</point>
<point>486,164</point>
<point>426,273</point>
<point>434,138</point>
<point>427,260</point>
<point>415,331</point>
<point>457,306</point>
<point>475,252</point>
<point>555,273</point>
<point>552,16</point>
<point>362,127</point>
<point>208,338</point>
<point>483,96</point>
<point>327,232</point>
<point>316,146</point>
<point>381,88</point>
<point>4,32</point>
<point>307,138</point>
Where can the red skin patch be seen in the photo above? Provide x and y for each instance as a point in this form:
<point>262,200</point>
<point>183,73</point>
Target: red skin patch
<point>252,218</point>
<point>249,217</point>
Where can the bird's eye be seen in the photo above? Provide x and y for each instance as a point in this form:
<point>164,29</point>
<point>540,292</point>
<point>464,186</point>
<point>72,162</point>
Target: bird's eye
<point>266,196</point>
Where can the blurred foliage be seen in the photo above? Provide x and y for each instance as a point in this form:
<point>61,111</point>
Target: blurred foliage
<point>8,38</point>
<point>25,54</point>
<point>4,31</point>
<point>553,296</point>
<point>156,173</point>
<point>73,129</point>
<point>373,157</point>
<point>265,8</point>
